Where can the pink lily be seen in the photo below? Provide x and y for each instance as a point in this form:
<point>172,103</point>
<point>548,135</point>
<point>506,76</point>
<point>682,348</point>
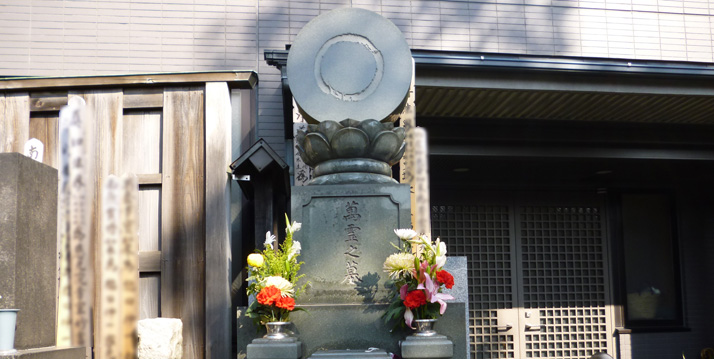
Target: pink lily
<point>408,315</point>
<point>431,290</point>
<point>423,271</point>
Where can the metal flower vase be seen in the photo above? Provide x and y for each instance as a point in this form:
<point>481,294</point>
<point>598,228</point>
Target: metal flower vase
<point>277,330</point>
<point>424,327</point>
<point>426,342</point>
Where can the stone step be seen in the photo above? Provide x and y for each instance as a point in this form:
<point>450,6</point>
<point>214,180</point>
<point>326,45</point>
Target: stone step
<point>47,353</point>
<point>351,354</point>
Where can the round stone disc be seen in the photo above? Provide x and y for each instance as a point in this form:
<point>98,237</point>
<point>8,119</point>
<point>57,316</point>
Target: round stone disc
<point>349,63</point>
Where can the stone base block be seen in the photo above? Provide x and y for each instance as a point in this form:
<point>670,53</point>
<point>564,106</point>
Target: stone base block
<point>160,338</point>
<point>351,354</point>
<point>288,348</point>
<point>338,327</point>
<point>47,353</point>
<point>28,248</point>
<point>434,347</point>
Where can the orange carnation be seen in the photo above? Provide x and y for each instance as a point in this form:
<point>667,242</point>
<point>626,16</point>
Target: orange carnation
<point>268,295</point>
<point>285,303</point>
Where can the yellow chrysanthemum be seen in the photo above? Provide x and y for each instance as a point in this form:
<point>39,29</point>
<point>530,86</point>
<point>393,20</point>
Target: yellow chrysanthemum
<point>399,264</point>
<point>256,260</point>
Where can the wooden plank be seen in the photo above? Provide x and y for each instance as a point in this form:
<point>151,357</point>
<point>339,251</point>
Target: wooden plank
<point>130,265</point>
<point>15,122</point>
<point>108,344</point>
<point>48,101</point>
<point>218,244</point>
<point>149,179</point>
<point>105,143</point>
<point>419,163</point>
<point>82,184</point>
<point>149,218</point>
<point>152,97</point>
<point>149,261</point>
<point>408,121</point>
<point>182,215</point>
<point>234,79</point>
<point>4,125</point>
<point>141,137</point>
<point>149,284</point>
<point>46,129</point>
<point>64,324</point>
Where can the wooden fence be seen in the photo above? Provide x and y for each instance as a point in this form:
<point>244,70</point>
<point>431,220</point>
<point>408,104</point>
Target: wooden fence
<point>173,131</point>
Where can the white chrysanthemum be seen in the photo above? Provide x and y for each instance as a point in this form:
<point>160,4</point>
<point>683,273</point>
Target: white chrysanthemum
<point>269,239</point>
<point>399,264</point>
<point>295,249</point>
<point>405,234</point>
<point>286,288</point>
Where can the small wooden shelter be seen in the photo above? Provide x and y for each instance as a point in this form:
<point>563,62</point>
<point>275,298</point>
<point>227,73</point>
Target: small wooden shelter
<point>178,133</point>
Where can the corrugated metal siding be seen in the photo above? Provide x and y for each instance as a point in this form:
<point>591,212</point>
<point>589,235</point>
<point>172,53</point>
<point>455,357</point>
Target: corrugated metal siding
<point>556,105</point>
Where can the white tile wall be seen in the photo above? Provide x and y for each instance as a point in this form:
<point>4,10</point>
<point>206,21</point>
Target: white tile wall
<point>73,37</point>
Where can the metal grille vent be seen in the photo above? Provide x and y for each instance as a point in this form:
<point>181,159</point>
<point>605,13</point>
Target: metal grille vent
<point>563,271</point>
<point>483,235</point>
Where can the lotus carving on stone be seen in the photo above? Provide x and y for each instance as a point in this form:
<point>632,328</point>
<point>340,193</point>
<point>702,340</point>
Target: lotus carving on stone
<point>351,151</point>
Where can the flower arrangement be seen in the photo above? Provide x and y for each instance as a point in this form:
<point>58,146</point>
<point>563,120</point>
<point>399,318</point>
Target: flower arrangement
<point>418,278</point>
<point>273,276</point>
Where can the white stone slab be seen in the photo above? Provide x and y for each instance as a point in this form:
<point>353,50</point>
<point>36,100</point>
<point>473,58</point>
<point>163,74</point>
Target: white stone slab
<point>160,338</point>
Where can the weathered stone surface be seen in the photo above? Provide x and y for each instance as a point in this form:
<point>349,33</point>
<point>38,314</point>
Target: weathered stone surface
<point>357,327</point>
<point>287,348</point>
<point>350,151</point>
<point>47,353</point>
<point>160,338</point>
<point>457,266</point>
<point>347,233</point>
<point>349,63</point>
<point>28,247</point>
<point>434,347</point>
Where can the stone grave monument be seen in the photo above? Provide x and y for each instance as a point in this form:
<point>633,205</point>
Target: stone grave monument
<point>28,256</point>
<point>350,72</point>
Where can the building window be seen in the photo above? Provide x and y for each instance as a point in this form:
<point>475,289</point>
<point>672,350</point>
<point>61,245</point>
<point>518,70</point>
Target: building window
<point>650,283</point>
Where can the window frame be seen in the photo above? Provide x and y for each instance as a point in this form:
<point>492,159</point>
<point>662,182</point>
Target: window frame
<point>615,214</point>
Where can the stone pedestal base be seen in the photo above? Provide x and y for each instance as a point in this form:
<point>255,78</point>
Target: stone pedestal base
<point>351,354</point>
<point>433,347</point>
<point>28,248</point>
<point>288,348</point>
<point>47,353</point>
